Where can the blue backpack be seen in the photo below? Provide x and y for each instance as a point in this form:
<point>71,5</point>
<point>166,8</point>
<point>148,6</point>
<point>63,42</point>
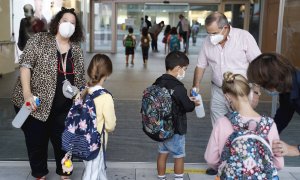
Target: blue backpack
<point>174,43</point>
<point>80,137</point>
<point>247,153</point>
<point>156,110</point>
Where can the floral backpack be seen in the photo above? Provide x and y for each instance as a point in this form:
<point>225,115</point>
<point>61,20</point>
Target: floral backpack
<point>80,137</point>
<point>156,110</point>
<point>247,153</point>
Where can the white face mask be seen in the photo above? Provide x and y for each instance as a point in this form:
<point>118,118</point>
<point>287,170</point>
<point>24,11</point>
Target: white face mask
<point>271,93</point>
<point>216,38</point>
<point>180,77</point>
<point>66,29</point>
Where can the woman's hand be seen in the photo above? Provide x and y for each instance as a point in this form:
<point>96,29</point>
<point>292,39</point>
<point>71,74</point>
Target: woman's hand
<point>280,149</point>
<point>28,98</point>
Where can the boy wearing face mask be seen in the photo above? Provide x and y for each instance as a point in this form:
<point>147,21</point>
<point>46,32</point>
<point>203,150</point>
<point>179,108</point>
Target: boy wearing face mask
<point>176,64</point>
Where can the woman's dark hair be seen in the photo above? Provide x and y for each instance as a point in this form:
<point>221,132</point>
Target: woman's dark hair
<point>176,58</point>
<point>167,30</point>
<point>145,31</point>
<point>271,71</point>
<point>99,67</point>
<point>173,31</point>
<point>54,24</point>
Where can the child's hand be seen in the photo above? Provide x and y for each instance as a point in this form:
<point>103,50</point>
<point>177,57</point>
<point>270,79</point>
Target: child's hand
<point>197,102</point>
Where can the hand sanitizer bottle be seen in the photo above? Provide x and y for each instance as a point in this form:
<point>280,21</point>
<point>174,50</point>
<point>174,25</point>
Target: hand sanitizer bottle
<point>24,113</point>
<point>200,113</point>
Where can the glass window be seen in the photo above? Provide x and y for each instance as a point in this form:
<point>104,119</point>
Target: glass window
<point>128,15</point>
<point>197,16</point>
<point>255,19</point>
<point>235,14</point>
<point>102,27</point>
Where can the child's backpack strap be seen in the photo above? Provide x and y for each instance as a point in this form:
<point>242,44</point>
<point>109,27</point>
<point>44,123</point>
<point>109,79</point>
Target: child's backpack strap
<point>264,126</point>
<point>99,92</point>
<point>93,96</point>
<point>261,128</point>
<point>235,120</point>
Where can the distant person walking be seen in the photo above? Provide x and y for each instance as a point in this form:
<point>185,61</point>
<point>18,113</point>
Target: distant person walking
<point>154,32</point>
<point>166,35</point>
<point>148,23</point>
<point>145,44</point>
<point>184,31</point>
<point>129,42</point>
<point>195,30</point>
<point>173,40</point>
<point>30,25</point>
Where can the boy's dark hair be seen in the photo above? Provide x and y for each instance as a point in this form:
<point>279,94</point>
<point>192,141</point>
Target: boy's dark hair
<point>53,28</point>
<point>173,31</point>
<point>145,31</point>
<point>271,71</point>
<point>130,30</point>
<point>176,58</point>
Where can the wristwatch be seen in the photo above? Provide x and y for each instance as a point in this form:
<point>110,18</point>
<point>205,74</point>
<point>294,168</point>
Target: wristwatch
<point>298,146</point>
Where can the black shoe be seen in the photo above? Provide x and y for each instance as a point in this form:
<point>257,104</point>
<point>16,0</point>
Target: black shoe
<point>211,171</point>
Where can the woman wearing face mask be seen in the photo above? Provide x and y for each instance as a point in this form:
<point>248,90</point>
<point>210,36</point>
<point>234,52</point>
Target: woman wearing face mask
<point>278,76</point>
<point>52,69</point>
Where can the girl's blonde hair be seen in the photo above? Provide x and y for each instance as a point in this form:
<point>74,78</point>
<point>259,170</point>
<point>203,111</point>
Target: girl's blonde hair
<point>99,67</point>
<point>235,84</point>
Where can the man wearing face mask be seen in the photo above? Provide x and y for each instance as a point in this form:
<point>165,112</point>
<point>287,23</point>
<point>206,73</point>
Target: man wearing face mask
<point>225,49</point>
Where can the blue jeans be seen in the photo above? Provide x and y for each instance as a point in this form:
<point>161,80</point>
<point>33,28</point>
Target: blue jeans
<point>174,145</point>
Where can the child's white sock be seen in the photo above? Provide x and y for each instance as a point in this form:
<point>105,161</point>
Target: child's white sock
<point>162,177</point>
<point>178,176</point>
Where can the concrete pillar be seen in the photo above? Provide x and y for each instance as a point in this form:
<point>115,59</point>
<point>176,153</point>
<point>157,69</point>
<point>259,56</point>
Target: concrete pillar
<point>7,47</point>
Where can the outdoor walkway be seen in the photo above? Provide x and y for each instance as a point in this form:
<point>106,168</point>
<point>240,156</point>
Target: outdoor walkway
<point>124,171</point>
<point>128,145</point>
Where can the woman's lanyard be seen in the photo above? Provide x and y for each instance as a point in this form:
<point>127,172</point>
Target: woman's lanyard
<point>63,60</point>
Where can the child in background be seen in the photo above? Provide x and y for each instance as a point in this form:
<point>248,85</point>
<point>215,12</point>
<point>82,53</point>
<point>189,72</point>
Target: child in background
<point>173,40</point>
<point>145,44</point>
<point>98,71</point>
<point>129,42</point>
<point>176,65</point>
<point>166,35</point>
<point>223,154</point>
